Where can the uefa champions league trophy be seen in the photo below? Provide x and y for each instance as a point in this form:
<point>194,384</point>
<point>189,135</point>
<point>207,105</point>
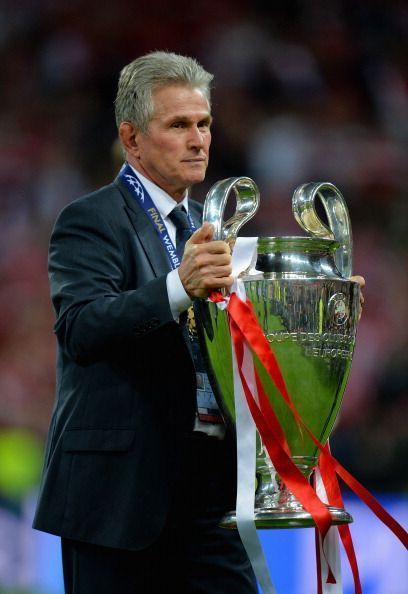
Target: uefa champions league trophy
<point>308,310</point>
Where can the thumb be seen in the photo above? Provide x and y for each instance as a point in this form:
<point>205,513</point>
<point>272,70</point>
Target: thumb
<point>203,234</point>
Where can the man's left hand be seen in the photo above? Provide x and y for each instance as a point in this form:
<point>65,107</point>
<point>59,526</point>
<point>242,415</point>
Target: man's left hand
<point>361,281</point>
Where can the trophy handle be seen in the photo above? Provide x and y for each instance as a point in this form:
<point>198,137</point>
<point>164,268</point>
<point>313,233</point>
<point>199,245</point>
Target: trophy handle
<point>339,229</point>
<point>247,197</point>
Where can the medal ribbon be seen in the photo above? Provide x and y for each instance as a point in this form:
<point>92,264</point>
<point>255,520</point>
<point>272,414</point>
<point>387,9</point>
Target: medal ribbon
<point>142,197</point>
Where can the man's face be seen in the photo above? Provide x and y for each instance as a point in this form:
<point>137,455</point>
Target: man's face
<point>174,151</point>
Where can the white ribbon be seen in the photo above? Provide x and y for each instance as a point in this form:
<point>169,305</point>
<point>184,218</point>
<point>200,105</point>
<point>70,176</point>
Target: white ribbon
<point>243,257</point>
<point>331,553</point>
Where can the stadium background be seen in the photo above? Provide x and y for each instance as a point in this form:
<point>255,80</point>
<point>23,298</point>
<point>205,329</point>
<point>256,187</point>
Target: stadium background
<point>304,91</point>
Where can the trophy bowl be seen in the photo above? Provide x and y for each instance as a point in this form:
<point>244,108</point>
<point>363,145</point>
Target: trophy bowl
<point>308,311</point>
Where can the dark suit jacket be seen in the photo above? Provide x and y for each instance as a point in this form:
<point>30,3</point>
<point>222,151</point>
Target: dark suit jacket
<point>125,381</point>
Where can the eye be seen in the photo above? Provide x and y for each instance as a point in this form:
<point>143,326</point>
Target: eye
<point>178,124</point>
<point>204,124</point>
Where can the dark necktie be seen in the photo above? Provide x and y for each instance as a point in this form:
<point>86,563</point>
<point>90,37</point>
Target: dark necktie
<point>187,323</point>
<point>179,218</point>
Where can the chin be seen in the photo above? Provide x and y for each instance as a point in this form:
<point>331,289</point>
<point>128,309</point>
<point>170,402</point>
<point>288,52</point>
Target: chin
<point>196,178</point>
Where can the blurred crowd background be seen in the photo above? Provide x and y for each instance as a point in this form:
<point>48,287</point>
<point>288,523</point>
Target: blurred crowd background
<point>304,91</point>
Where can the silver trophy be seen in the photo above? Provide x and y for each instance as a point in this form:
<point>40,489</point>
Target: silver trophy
<point>308,310</point>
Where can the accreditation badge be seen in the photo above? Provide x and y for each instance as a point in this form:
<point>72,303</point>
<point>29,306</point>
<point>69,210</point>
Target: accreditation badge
<point>207,406</point>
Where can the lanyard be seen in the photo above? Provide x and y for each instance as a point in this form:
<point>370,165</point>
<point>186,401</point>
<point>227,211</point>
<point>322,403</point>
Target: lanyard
<point>142,197</point>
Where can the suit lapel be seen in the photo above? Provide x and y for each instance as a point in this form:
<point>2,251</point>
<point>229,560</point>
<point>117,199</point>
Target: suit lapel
<point>196,212</point>
<point>147,235</point>
<point>149,239</point>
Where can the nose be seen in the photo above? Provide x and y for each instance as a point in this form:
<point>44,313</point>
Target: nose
<point>196,137</point>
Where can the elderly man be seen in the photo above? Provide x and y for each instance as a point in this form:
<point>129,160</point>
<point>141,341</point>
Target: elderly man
<point>138,469</point>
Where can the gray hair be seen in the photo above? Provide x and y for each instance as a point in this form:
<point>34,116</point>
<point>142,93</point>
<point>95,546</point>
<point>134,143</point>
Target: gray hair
<point>138,80</point>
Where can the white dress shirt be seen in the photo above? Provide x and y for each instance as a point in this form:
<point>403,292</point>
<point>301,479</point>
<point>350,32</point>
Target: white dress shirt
<point>179,300</point>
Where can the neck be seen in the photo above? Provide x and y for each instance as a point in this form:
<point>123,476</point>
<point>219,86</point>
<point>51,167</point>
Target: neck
<point>177,194</point>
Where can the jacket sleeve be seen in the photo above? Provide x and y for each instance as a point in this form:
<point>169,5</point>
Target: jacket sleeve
<point>94,288</point>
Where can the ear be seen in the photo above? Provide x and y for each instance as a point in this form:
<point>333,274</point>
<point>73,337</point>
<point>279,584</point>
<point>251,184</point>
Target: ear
<point>129,134</point>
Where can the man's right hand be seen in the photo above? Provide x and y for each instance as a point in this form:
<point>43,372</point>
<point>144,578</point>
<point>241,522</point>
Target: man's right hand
<point>206,264</point>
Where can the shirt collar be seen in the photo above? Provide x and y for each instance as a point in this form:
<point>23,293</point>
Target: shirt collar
<point>162,200</point>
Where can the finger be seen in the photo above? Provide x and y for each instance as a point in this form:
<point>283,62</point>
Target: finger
<point>358,279</point>
<point>211,249</point>
<point>211,272</point>
<point>212,282</point>
<point>203,234</point>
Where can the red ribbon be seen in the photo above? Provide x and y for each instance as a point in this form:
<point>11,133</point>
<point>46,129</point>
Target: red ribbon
<point>216,297</point>
<point>333,493</point>
<point>245,328</point>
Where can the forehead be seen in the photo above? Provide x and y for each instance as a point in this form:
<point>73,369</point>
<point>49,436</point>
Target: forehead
<point>179,100</point>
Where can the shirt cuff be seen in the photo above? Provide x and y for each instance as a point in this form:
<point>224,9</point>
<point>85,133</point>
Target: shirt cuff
<point>179,300</point>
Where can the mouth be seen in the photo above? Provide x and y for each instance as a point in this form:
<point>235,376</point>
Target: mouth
<point>195,160</point>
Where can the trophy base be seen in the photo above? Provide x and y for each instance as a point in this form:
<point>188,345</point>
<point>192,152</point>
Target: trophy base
<point>286,518</point>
